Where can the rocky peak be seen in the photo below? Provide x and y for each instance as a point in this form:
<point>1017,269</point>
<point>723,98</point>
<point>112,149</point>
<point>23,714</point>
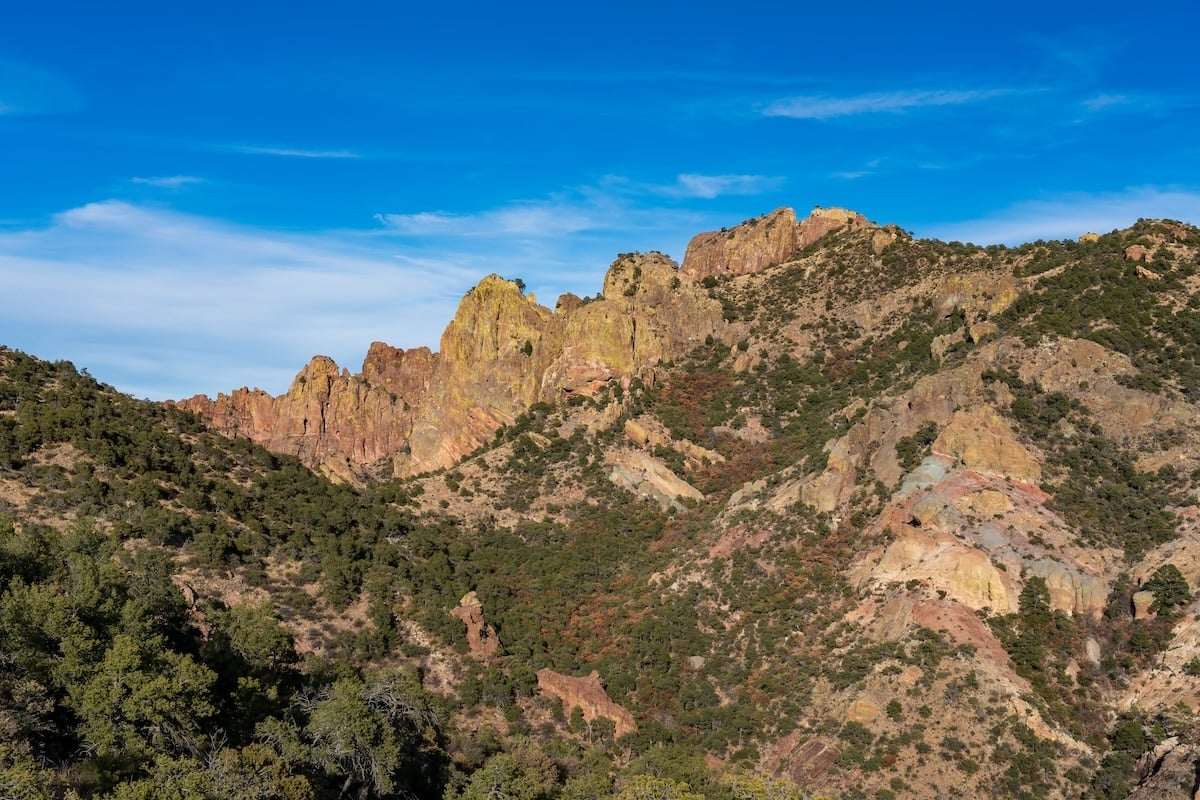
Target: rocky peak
<point>403,372</point>
<point>759,243</point>
<point>749,247</point>
<point>823,221</point>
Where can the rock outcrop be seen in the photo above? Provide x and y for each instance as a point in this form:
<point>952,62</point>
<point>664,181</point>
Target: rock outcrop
<point>759,243</point>
<point>648,477</point>
<point>416,410</point>
<point>588,695</point>
<point>329,418</point>
<point>481,637</point>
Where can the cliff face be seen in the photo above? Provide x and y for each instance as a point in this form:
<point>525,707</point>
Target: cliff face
<point>415,410</point>
<point>329,418</point>
<point>759,243</point>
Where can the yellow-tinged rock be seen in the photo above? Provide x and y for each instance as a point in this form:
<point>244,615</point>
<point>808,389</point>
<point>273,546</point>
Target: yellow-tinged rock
<point>988,502</point>
<point>965,574</point>
<point>864,709</point>
<point>983,441</point>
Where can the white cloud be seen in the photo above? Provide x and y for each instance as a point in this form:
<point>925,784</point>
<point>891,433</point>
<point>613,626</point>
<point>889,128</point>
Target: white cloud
<point>167,305</point>
<point>869,168</point>
<point>1103,101</point>
<point>1067,216</point>
<point>820,107</point>
<point>164,304</point>
<point>559,244</point>
<point>167,181</point>
<point>531,220</point>
<point>293,152</point>
<point>708,187</point>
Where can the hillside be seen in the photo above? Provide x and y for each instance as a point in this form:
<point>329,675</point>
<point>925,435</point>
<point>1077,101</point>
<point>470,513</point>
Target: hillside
<point>824,510</point>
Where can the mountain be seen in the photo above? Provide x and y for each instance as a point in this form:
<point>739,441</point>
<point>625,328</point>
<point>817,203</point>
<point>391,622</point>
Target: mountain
<point>824,509</point>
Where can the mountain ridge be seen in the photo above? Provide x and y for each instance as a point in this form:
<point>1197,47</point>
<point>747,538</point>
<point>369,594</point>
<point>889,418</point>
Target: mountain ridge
<point>910,518</point>
<point>426,410</point>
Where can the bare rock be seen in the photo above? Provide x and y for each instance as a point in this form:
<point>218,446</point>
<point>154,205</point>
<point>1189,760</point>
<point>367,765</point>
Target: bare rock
<point>960,572</point>
<point>882,238</point>
<point>864,710</point>
<point>649,313</point>
<point>1141,605</point>
<point>942,344</point>
<point>1085,238</point>
<point>419,410</point>
<point>481,637</point>
<point>647,476</point>
<point>1091,649</point>
<point>588,695</point>
<point>1168,772</point>
<point>1148,274</point>
<point>983,441</point>
<point>330,419</point>
<point>746,248</point>
<point>1138,252</point>
<point>485,374</point>
<point>822,221</point>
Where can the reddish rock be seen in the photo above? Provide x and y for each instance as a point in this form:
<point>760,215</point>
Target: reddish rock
<point>823,221</point>
<point>588,695</point>
<point>331,420</point>
<point>747,248</point>
<point>412,411</point>
<point>481,637</point>
<point>764,241</point>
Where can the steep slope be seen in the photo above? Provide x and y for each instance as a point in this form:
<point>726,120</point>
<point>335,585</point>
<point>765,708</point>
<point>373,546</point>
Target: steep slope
<point>939,472</point>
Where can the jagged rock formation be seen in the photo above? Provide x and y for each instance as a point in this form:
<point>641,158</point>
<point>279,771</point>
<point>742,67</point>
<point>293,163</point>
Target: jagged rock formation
<point>1170,771</point>
<point>759,243</point>
<point>419,410</point>
<point>411,411</point>
<point>328,417</point>
<point>481,637</point>
<point>588,695</point>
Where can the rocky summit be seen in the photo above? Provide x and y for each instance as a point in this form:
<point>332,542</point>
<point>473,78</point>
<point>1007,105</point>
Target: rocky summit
<point>826,510</point>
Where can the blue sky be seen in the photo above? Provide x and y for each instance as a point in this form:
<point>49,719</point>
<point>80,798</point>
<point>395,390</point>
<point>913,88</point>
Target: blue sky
<point>202,196</point>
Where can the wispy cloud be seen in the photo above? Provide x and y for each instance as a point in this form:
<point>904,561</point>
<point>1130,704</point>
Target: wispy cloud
<point>165,304</point>
<point>707,187</point>
<point>561,243</point>
<point>869,168</point>
<point>292,152</point>
<point>823,107</point>
<point>167,181</point>
<point>536,220</point>
<point>28,90</point>
<point>1067,216</point>
<point>1104,101</point>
